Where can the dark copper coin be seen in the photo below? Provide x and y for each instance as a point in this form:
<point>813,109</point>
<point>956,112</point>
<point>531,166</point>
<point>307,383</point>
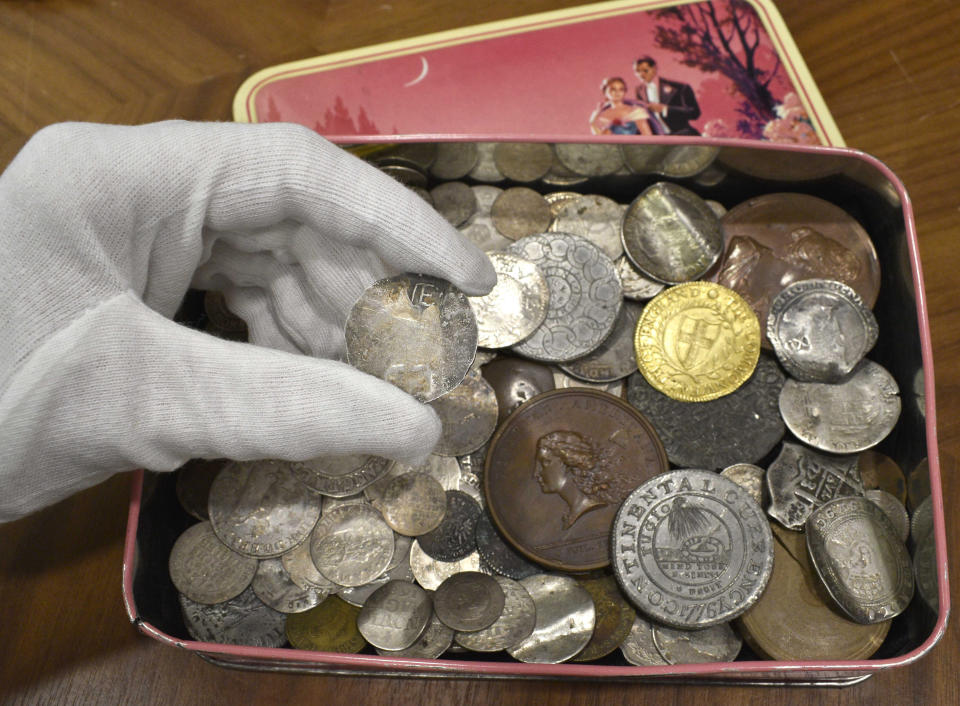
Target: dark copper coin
<point>455,537</point>
<point>558,469</point>
<point>515,381</point>
<point>614,619</point>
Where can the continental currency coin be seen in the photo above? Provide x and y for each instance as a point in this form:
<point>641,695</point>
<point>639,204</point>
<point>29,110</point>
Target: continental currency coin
<point>801,480</point>
<point>194,479</point>
<point>453,539</point>
<point>432,643</point>
<point>558,469</point>
<point>499,555</point>
<point>352,545</point>
<point>635,285</point>
<point>515,381</point>
<point>893,509</point>
<point>565,618</point>
<point>615,358</point>
<point>515,623</point>
<point>303,572</point>
<point>275,587</point>
<point>743,426</point>
<point>638,648</point>
<point>480,229</point>
<point>880,471</point>
<point>644,159</point>
<point>414,331</point>
<point>395,615</point>
<point>468,601</point>
<point>523,161</point>
<point>413,504</point>
<point>520,211</point>
<point>684,161</point>
<point>691,549</point>
<point>330,627</point>
<point>206,570</point>
<point>614,617</point>
<point>242,620</point>
<point>589,159</point>
<point>820,329</point>
<point>594,217</point>
<point>455,201</point>
<point>670,234</point>
<point>845,417</point>
<point>486,168</point>
<point>749,477</point>
<point>430,572</point>
<point>340,476</point>
<point>468,414</point>
<point>562,381</point>
<point>718,643</point>
<point>585,296</point>
<point>857,555</point>
<point>454,160</point>
<point>516,305</point>
<point>258,508</point>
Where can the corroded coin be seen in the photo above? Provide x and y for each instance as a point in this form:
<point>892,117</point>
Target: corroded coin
<point>430,572</point>
<point>455,201</point>
<point>444,469</point>
<point>523,161</point>
<point>205,570</point>
<point>749,477</point>
<point>718,643</point>
<point>395,615</point>
<point>614,617</point>
<point>330,627</point>
<point>615,358</point>
<point>844,417</point>
<point>589,159</point>
<point>585,296</point>
<point>691,549</point>
<point>414,331</point>
<point>516,305</point>
<point>193,485</point>
<point>559,467</point>
<point>638,648</point>
<point>468,601</point>
<point>499,555</point>
<point>857,555</point>
<point>635,285</point>
<point>352,545</point>
<point>697,341</point>
<point>468,414</point>
<point>432,643</point>
<point>565,618</point>
<point>594,217</point>
<point>340,476</point>
<point>454,160</point>
<point>275,587</point>
<point>520,211</point>
<point>486,168</point>
<point>258,508</point>
<point>893,509</point>
<point>670,234</point>
<point>413,504</point>
<point>562,381</point>
<point>243,620</point>
<point>454,538</point>
<point>515,381</point>
<point>302,571</point>
<point>516,621</point>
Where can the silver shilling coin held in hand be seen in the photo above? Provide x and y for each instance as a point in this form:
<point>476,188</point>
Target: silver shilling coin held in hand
<point>469,601</point>
<point>414,331</point>
<point>395,615</point>
<point>516,305</point>
<point>691,549</point>
<point>565,618</point>
<point>352,545</point>
<point>205,569</point>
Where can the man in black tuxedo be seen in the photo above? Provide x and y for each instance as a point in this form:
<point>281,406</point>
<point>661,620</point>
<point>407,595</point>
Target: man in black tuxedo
<point>672,104</point>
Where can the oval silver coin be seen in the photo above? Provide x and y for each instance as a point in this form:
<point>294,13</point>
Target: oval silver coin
<point>205,569</point>
<point>352,545</point>
<point>638,647</point>
<point>395,615</point>
<point>468,415</point>
<point>516,305</point>
<point>565,618</point>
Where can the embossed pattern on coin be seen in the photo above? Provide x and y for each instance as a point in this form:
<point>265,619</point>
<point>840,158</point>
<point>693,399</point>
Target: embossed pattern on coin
<point>432,643</point>
<point>516,305</point>
<point>498,554</point>
<point>893,509</point>
<point>469,601</point>
<point>718,643</point>
<point>430,572</point>
<point>330,627</point>
<point>594,217</point>
<point>615,358</point>
<point>243,620</point>
<point>516,621</point>
<point>453,539</point>
<point>206,570</point>
<point>395,615</point>
<point>413,504</point>
<point>352,545</point>
<point>302,571</point>
<point>614,617</point>
<point>520,211</point>
<point>565,618</point>
<point>274,586</point>
<point>340,476</point>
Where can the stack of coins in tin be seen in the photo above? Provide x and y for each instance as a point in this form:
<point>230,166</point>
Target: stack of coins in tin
<point>658,436</point>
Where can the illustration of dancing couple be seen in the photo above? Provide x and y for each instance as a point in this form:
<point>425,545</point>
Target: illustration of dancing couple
<point>661,106</point>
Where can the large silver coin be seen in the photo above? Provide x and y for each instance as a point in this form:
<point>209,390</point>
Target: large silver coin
<point>594,217</point>
<point>523,161</point>
<point>671,235</point>
<point>444,469</point>
<point>516,305</point>
<point>302,571</point>
<point>358,595</point>
<point>565,618</point>
<point>516,621</point>
<point>432,643</point>
<point>635,285</point>
<point>589,159</point>
<point>243,620</point>
<point>520,211</point>
<point>259,508</point>
<point>430,572</point>
<point>691,549</point>
<point>468,414</point>
<point>714,644</point>
<point>455,201</point>
<point>846,417</point>
<point>340,476</point>
<point>585,296</point>
<point>820,329</point>
<point>352,545</point>
<point>638,647</point>
<point>414,331</point>
<point>480,229</point>
<point>616,357</point>
<point>468,601</point>
<point>275,587</point>
<point>395,615</point>
<point>413,503</point>
<point>860,560</point>
<point>206,570</point>
<point>486,168</point>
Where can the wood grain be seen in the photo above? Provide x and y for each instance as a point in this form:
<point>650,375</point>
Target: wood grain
<point>887,70</point>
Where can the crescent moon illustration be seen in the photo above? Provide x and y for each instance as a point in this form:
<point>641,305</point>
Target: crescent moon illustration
<point>423,73</point>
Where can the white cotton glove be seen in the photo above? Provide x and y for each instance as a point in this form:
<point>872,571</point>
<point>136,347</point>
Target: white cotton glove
<point>102,231</point>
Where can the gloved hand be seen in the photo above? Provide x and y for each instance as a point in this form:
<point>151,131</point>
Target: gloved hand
<point>102,231</point>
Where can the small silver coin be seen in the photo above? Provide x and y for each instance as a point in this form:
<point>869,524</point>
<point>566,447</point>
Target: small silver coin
<point>454,160</point>
<point>259,508</point>
<point>455,201</point>
<point>358,595</point>
<point>243,620</point>
<point>275,587</point>
<point>444,469</point>
<point>638,647</point>
<point>395,615</point>
<point>718,643</point>
<point>455,537</point>
<point>801,480</point>
<point>589,159</point>
<point>414,331</point>
<point>468,414</point>
<point>644,159</point>
<point>515,624</point>
<point>635,285</point>
<point>430,572</point>
<point>585,296</point>
<point>432,643</point>
<point>594,217</point>
<point>893,509</point>
<point>206,570</point>
<point>685,161</point>
<point>616,357</point>
<point>340,476</point>
<point>820,329</point>
<point>407,174</point>
<point>857,555</point>
<point>352,545</point>
<point>520,211</point>
<point>499,555</point>
<point>413,503</point>
<point>523,161</point>
<point>846,417</point>
<point>562,381</point>
<point>565,618</point>
<point>751,478</point>
<point>671,235</point>
<point>485,169</point>
<point>300,567</point>
<point>468,601</point>
<point>516,305</point>
<point>691,549</point>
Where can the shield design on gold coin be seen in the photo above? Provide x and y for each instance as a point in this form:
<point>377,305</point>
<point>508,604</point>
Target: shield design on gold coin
<point>695,341</point>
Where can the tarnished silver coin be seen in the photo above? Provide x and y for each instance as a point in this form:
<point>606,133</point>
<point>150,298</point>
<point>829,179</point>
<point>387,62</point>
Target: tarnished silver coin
<point>644,159</point>
<point>468,414</point>
<point>330,502</point>
<point>925,570</point>
<point>801,480</point>
<point>258,508</point>
<point>275,587</point>
<point>684,161</point>
<point>616,358</point>
<point>589,159</point>
<point>395,615</point>
<point>638,647</point>
<point>562,381</point>
<point>455,201</point>
<point>358,595</point>
<point>691,549</point>
<point>352,545</point>
<point>893,509</point>
<point>636,286</point>
<point>468,601</point>
<point>520,211</point>
<point>516,621</point>
<point>558,200</point>
<point>844,417</point>
<point>516,305</point>
<point>594,217</point>
<point>717,208</point>
<point>749,477</point>
<point>921,522</point>
<point>430,572</point>
<point>499,555</point>
<point>454,160</point>
<point>413,503</point>
<point>480,229</point>
<point>206,570</point>
<point>585,296</point>
<point>444,469</point>
<point>820,329</point>
<point>432,643</point>
<point>414,331</point>
<point>565,616</point>
<point>671,235</point>
<point>302,571</point>
<point>486,168</point>
<point>562,177</point>
<point>718,643</point>
<point>454,538</point>
<point>340,476</point>
<point>857,555</point>
<point>407,174</point>
<point>523,161</point>
<point>243,620</point>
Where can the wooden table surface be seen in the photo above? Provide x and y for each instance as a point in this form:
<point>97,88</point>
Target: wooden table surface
<point>888,70</point>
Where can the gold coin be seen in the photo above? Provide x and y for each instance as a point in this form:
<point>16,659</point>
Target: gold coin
<point>330,627</point>
<point>697,341</point>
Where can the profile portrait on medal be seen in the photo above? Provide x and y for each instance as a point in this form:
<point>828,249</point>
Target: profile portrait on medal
<point>616,115</point>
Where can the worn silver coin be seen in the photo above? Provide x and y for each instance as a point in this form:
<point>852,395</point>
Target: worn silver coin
<point>358,595</point>
<point>413,503</point>
<point>616,357</point>
<point>515,623</point>
<point>430,572</point>
<point>455,537</point>
<point>644,159</point>
<point>498,554</point>
<point>685,161</point>
<point>594,217</point>
<point>558,200</point>
<point>409,175</point>
<point>395,615</point>
<point>520,211</point>
<point>589,159</point>
<point>485,169</point>
<point>340,476</point>
<point>276,588</point>
<point>468,601</point>
<point>302,571</point>
<point>893,509</point>
<point>562,177</point>
<point>468,414</point>
<point>638,648</point>
<point>718,643</point>
<point>414,331</point>
<point>480,229</point>
<point>454,160</point>
<point>636,286</point>
<point>205,569</point>
<point>516,305</point>
<point>243,620</point>
<point>925,570</point>
<point>455,201</point>
<point>523,161</point>
<point>562,381</point>
<point>432,643</point>
<point>749,477</point>
<point>444,469</point>
<point>352,545</point>
<point>565,618</point>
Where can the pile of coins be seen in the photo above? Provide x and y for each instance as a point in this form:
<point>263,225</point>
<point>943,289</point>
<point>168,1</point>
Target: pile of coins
<point>658,436</point>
